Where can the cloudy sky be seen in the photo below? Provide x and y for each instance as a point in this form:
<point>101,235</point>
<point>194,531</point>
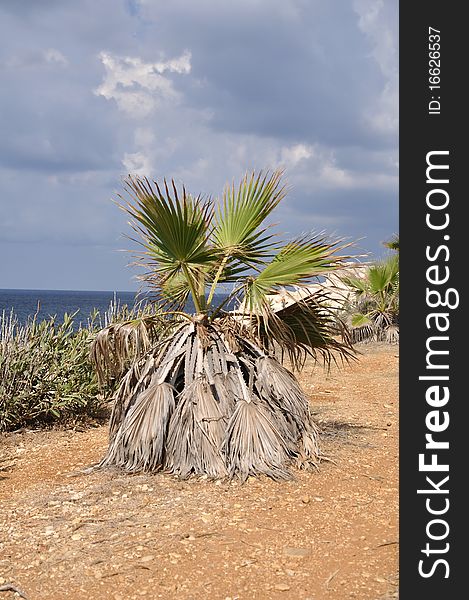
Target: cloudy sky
<point>199,91</point>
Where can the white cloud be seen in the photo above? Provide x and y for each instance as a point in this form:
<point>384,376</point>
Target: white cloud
<point>291,155</point>
<point>137,86</point>
<point>137,163</point>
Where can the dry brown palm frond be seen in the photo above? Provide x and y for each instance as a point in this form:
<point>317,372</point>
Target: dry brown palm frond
<point>391,334</point>
<point>277,383</point>
<point>196,433</point>
<point>305,328</point>
<point>309,451</point>
<point>140,442</point>
<point>118,344</point>
<point>138,376</point>
<point>226,391</point>
<point>362,334</point>
<point>192,406</point>
<point>254,445</point>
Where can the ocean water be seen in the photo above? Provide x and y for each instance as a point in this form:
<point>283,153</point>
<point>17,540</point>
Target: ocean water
<point>47,303</point>
<point>55,303</point>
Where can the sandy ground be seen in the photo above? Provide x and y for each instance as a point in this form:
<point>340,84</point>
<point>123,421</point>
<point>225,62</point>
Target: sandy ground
<point>329,534</point>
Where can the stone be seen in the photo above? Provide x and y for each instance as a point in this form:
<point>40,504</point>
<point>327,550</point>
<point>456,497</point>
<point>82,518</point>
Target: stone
<point>147,558</point>
<point>282,587</point>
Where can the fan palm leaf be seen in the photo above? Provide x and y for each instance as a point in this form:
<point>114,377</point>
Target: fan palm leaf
<point>237,229</point>
<point>393,243</point>
<point>174,232</point>
<point>295,263</point>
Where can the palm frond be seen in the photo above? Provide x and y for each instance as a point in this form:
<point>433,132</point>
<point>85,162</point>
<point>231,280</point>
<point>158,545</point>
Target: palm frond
<point>306,327</point>
<point>360,320</point>
<point>358,285</point>
<point>296,263</point>
<point>254,444</point>
<point>174,230</point>
<point>175,227</point>
<point>393,243</point>
<point>237,228</point>
<point>140,443</point>
<point>118,344</point>
<point>208,400</point>
<point>382,276</point>
<point>196,433</point>
<point>172,291</point>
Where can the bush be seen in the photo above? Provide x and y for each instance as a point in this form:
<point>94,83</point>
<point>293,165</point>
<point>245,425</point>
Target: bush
<point>45,373</point>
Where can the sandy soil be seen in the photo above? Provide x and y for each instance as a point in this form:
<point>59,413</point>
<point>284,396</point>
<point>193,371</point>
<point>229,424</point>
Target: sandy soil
<point>329,534</point>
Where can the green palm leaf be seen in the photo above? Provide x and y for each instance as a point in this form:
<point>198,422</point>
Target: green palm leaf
<point>360,320</point>
<point>393,243</point>
<point>382,276</point>
<point>295,264</point>
<point>237,228</point>
<point>174,291</point>
<point>174,230</point>
<point>238,235</point>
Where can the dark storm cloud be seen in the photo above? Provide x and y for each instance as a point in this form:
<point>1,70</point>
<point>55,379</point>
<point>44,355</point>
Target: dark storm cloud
<point>295,70</point>
<point>201,91</point>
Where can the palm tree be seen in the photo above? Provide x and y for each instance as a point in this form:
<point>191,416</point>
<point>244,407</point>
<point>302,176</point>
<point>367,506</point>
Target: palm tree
<point>393,243</point>
<point>374,309</point>
<point>206,393</point>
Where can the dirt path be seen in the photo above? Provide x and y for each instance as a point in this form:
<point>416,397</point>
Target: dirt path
<point>329,534</point>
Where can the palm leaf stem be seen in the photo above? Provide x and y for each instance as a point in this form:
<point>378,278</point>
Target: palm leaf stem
<point>194,292</point>
<point>217,278</point>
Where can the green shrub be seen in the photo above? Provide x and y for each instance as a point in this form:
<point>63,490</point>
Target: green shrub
<point>45,373</point>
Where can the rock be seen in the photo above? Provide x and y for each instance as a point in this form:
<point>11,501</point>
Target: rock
<point>282,587</point>
<point>147,558</point>
<point>306,499</point>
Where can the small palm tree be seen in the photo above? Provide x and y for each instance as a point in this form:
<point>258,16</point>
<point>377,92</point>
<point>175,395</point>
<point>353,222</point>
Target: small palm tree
<point>374,309</point>
<point>393,243</point>
<point>205,393</point>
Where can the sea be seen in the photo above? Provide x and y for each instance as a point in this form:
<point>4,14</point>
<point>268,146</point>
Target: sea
<point>43,304</point>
